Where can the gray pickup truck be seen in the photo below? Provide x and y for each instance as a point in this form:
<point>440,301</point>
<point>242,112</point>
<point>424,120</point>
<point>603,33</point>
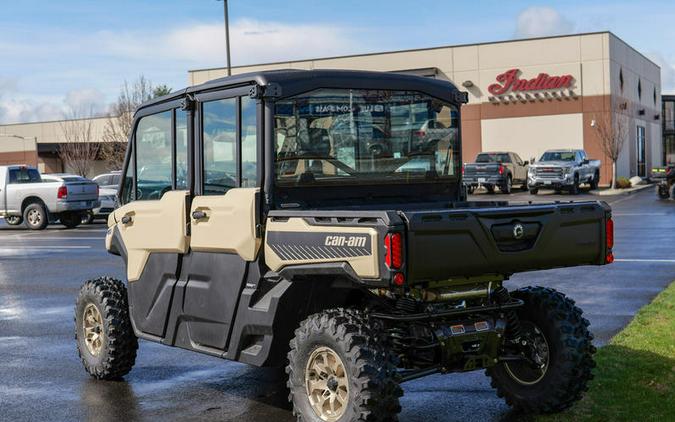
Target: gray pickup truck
<point>495,169</point>
<point>26,196</point>
<point>563,169</point>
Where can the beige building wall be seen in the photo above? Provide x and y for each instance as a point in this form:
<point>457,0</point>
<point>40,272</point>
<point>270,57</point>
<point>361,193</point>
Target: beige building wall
<point>507,134</point>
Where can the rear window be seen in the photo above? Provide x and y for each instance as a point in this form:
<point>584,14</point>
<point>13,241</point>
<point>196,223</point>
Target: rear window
<point>493,158</point>
<point>24,175</point>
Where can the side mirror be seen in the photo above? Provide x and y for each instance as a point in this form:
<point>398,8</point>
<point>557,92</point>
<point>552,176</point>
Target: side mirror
<point>585,161</point>
<point>526,163</point>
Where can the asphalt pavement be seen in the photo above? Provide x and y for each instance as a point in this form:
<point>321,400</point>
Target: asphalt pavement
<point>41,377</point>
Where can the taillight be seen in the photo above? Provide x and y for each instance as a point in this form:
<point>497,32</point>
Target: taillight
<point>393,248</point>
<point>463,169</point>
<point>62,192</point>
<point>501,169</point>
<point>609,239</point>
<point>420,133</point>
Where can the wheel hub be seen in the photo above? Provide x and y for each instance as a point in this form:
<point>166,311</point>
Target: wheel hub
<point>34,217</point>
<point>327,384</point>
<point>92,326</point>
<point>535,352</point>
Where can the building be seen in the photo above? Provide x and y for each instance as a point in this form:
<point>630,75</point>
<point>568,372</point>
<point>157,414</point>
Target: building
<point>668,129</point>
<point>531,95</point>
<point>37,144</point>
<point>525,96</point>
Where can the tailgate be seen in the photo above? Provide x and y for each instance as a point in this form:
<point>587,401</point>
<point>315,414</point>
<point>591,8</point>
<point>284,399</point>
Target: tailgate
<point>480,170</point>
<point>82,191</point>
<point>504,240</point>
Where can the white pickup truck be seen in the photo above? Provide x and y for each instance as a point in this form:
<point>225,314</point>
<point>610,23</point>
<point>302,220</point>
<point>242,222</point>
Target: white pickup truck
<point>563,169</point>
<point>25,196</point>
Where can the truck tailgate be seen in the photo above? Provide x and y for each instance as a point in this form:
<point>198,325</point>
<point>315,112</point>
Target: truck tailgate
<point>504,240</point>
<point>81,190</point>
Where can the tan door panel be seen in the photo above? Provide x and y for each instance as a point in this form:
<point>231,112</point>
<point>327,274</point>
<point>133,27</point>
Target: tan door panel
<point>229,224</point>
<point>153,226</point>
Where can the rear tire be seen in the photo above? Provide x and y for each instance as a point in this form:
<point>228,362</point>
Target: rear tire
<point>470,190</point>
<point>534,191</point>
<point>595,181</point>
<point>13,220</point>
<point>672,191</point>
<point>88,218</point>
<point>35,216</point>
<point>70,219</point>
<point>569,355</point>
<point>337,358</point>
<point>105,339</point>
<point>490,188</point>
<point>506,188</point>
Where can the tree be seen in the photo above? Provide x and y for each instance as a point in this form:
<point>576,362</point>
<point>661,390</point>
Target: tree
<point>78,152</point>
<point>612,131</point>
<point>121,117</point>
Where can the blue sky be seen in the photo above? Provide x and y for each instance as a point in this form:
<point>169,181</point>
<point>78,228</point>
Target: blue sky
<point>58,56</point>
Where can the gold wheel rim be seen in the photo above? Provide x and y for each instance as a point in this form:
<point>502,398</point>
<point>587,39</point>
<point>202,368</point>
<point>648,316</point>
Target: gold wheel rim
<point>543,369</point>
<point>327,384</point>
<point>92,327</point>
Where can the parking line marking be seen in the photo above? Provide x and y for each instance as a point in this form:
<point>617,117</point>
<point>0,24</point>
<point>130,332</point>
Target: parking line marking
<point>668,261</point>
<point>25,247</point>
<point>631,214</point>
<point>22,239</point>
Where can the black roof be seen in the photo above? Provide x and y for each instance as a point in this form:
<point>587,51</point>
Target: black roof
<point>295,81</point>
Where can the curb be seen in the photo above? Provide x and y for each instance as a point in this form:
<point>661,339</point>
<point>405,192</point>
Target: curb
<point>628,191</point>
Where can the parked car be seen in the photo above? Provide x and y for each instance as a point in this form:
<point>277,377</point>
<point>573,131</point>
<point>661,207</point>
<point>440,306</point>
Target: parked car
<point>108,180</point>
<point>495,169</point>
<point>563,169</point>
<point>108,199</point>
<point>26,196</point>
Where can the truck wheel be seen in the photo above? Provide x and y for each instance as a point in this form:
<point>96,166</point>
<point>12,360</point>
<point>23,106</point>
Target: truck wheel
<point>35,216</point>
<point>70,219</point>
<point>662,191</point>
<point>490,188</point>
<point>13,220</point>
<point>338,370</point>
<point>105,339</point>
<point>88,217</point>
<point>672,191</point>
<point>557,338</point>
<point>506,188</point>
<point>574,189</point>
<point>470,190</point>
<point>595,181</point>
<point>534,191</point>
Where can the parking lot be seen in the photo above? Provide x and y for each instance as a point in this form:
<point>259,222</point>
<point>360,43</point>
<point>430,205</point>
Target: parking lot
<point>42,379</point>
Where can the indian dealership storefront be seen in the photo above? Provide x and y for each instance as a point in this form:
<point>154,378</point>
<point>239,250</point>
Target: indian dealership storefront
<point>528,96</point>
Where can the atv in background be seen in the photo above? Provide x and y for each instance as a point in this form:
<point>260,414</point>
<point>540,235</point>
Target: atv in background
<point>664,177</point>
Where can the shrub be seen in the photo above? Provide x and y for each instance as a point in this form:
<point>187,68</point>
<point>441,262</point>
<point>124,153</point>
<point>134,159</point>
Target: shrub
<point>622,183</point>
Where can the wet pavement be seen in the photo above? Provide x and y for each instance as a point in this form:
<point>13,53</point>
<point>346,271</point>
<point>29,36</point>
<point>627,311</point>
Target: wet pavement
<point>41,377</point>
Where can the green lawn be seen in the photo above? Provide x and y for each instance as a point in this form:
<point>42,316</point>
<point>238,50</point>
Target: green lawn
<point>635,376</point>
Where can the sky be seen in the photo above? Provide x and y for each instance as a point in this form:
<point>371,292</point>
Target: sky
<point>68,57</point>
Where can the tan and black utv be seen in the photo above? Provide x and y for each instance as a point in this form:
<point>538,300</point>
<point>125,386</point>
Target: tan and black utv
<point>316,220</point>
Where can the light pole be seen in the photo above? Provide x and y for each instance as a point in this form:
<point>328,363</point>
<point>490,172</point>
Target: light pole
<point>227,37</point>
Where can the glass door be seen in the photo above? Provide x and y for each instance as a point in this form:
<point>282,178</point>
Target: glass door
<point>641,161</point>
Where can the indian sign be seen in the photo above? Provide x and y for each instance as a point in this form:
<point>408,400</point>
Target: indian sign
<point>509,82</point>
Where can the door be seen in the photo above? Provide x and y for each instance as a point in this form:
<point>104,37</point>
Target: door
<point>151,224</point>
<point>223,215</point>
<point>641,153</point>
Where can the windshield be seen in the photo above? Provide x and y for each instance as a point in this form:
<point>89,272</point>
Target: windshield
<point>492,158</point>
<point>558,156</point>
<point>350,136</point>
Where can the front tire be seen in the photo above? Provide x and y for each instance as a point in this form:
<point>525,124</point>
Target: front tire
<point>105,339</point>
<point>35,216</point>
<point>534,191</point>
<point>340,371</point>
<point>13,220</point>
<point>551,323</point>
<point>595,181</point>
<point>574,189</point>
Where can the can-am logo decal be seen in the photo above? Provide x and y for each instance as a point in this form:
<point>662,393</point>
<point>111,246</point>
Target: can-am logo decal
<point>351,241</point>
<point>509,81</point>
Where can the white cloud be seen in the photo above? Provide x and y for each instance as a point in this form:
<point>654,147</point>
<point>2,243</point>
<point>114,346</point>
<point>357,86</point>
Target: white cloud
<point>667,72</point>
<point>86,71</point>
<point>538,21</point>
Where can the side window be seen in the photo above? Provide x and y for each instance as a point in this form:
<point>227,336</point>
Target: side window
<point>219,159</point>
<point>127,194</point>
<point>248,143</point>
<point>153,156</point>
<point>181,150</point>
<point>518,160</point>
<point>24,175</point>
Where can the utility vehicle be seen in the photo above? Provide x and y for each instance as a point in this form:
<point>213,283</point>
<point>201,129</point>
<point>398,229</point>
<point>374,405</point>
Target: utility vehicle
<point>664,177</point>
<point>260,237</point>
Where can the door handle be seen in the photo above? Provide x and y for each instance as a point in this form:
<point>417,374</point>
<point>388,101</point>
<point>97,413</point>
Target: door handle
<point>198,215</point>
<point>126,219</point>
